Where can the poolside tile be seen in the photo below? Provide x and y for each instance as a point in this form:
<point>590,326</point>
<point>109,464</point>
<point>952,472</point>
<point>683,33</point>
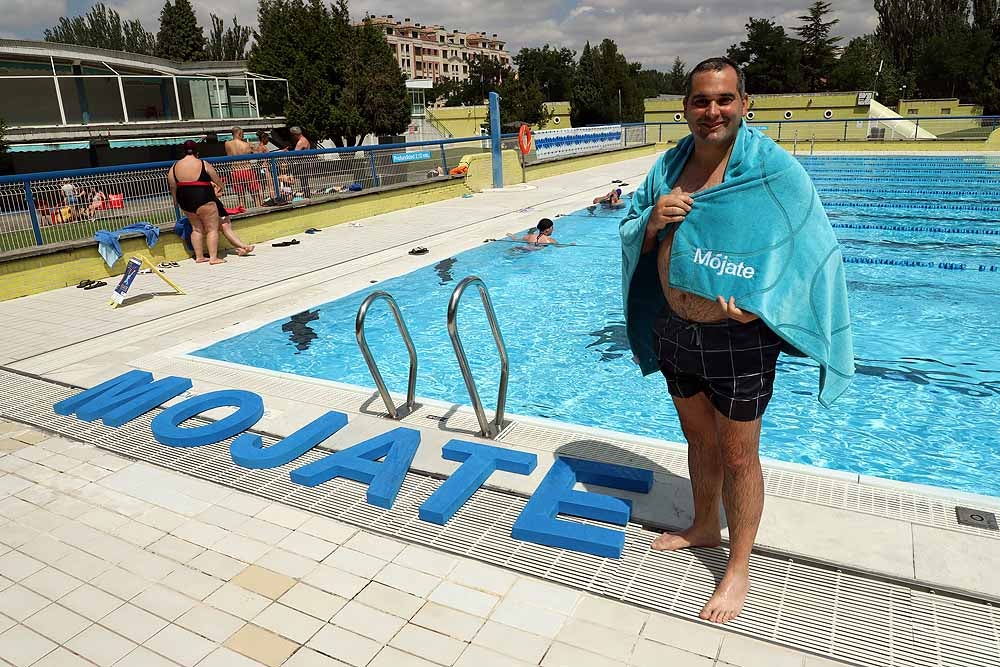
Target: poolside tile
<point>210,622</point>
<point>287,622</point>
<point>429,644</point>
<point>57,623</point>
<point>686,635</point>
<point>596,639</point>
<point>464,599</point>
<point>448,621</point>
<point>355,562</point>
<point>266,582</point>
<point>564,655</point>
<point>477,656</point>
<point>956,559</point>
<point>163,602</point>
<point>180,645</point>
<point>133,623</point>
<point>747,652</point>
<point>237,601</point>
<point>345,645</point>
<point>368,621</point>
<point>21,646</point>
<point>611,614</point>
<point>512,642</point>
<point>407,580</point>
<point>261,645</point>
<point>312,601</point>
<point>100,646</point>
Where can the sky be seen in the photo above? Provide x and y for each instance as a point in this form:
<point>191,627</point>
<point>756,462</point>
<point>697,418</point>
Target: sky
<point>652,32</point>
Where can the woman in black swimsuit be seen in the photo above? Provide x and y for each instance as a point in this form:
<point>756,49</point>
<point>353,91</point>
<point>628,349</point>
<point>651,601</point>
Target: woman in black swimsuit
<point>192,183</point>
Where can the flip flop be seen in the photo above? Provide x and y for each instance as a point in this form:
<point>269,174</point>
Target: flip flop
<point>419,251</point>
<point>284,244</point>
<point>99,283</point>
<point>83,283</point>
<point>312,230</point>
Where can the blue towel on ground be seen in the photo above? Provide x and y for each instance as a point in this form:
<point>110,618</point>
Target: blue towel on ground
<point>109,247</point>
<point>762,237</point>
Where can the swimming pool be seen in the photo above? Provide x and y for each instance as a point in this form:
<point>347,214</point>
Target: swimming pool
<point>923,408</point>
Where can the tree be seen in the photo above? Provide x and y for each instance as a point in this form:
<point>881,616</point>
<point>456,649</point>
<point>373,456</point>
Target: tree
<point>771,61</point>
<point>858,69</point>
<point>818,47</point>
<point>606,88</point>
<point>295,40</point>
<point>905,26</point>
<point>677,77</point>
<point>103,28</point>
<point>553,69</point>
<point>521,101</point>
<point>951,63</point>
<point>227,43</point>
<point>986,17</point>
<point>374,99</point>
<point>180,37</point>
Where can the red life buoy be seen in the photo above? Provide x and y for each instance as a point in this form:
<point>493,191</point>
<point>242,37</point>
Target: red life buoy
<point>524,139</point>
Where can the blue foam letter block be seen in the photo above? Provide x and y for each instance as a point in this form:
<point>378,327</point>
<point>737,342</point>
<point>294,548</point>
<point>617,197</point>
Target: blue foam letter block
<point>479,462</point>
<point>123,398</point>
<point>539,522</point>
<point>167,428</point>
<point>248,450</point>
<point>359,463</point>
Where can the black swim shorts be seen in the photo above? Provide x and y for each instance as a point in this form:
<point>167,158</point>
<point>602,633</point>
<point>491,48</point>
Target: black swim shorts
<point>731,363</point>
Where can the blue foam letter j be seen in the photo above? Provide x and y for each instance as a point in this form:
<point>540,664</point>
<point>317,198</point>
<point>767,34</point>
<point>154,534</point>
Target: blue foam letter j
<point>360,463</point>
<point>248,449</point>
<point>479,462</point>
<point>539,523</point>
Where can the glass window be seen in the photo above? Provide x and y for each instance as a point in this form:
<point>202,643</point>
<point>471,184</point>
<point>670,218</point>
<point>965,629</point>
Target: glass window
<point>946,111</point>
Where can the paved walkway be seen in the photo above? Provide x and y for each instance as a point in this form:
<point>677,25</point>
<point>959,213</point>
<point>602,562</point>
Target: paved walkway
<point>106,561</point>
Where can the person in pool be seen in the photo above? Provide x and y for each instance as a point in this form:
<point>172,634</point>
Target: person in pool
<point>540,236</point>
<point>611,200</point>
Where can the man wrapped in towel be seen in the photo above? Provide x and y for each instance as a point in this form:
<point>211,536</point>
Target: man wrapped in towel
<point>728,259</point>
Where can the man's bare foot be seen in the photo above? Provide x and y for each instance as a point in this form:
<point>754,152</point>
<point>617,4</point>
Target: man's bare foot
<point>216,261</point>
<point>727,601</point>
<point>243,252</point>
<point>692,537</point>
<point>201,260</point>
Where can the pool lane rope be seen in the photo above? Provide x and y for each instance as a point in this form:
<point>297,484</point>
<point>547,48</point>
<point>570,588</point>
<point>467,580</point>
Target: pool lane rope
<point>947,266</point>
<point>901,228</point>
<point>930,206</point>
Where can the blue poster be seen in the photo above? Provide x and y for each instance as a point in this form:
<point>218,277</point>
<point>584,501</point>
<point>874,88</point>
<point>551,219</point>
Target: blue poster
<point>410,157</point>
<point>131,271</point>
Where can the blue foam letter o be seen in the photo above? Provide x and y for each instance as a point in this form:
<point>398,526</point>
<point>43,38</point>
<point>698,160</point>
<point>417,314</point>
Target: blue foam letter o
<point>167,428</point>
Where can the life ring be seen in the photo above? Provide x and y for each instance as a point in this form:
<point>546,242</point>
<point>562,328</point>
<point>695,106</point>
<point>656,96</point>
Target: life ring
<point>524,139</point>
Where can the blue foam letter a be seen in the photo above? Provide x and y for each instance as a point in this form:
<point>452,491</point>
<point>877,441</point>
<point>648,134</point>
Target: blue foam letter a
<point>539,523</point>
<point>360,463</point>
<point>122,398</point>
<point>479,462</point>
<point>248,449</point>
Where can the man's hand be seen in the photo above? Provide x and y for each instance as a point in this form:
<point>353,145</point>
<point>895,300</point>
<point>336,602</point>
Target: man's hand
<point>669,209</point>
<point>732,312</point>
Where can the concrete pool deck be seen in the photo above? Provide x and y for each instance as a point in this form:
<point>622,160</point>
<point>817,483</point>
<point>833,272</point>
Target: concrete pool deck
<point>906,536</point>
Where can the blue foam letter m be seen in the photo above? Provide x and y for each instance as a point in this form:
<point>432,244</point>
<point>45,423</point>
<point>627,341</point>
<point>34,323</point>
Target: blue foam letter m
<point>123,398</point>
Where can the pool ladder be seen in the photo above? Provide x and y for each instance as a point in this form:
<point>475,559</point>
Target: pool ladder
<point>488,429</point>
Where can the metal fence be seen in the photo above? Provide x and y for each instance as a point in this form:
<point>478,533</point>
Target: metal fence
<point>864,129</point>
<point>51,207</point>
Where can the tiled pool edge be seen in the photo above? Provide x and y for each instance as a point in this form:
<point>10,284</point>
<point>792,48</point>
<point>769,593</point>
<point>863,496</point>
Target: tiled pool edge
<point>826,612</point>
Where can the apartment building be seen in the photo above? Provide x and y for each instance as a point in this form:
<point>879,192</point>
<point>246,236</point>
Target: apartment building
<point>434,52</point>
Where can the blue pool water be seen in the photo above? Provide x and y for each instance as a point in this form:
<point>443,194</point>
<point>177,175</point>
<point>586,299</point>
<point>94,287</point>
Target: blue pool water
<point>924,406</point>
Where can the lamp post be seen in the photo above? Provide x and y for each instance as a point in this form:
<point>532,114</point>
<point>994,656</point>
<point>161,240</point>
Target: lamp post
<point>619,106</point>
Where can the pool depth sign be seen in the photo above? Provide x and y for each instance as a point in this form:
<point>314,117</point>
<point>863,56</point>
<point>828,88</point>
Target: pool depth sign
<point>380,462</point>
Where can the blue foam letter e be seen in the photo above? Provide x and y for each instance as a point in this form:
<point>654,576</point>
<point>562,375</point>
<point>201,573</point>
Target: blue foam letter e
<point>122,398</point>
<point>479,462</point>
<point>539,523</point>
<point>248,449</point>
<point>360,463</point>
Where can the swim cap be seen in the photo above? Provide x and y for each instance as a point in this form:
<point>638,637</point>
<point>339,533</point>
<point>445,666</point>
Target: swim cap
<point>190,147</point>
<point>618,191</point>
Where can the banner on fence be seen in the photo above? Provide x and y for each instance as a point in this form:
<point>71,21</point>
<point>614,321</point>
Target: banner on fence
<point>570,141</point>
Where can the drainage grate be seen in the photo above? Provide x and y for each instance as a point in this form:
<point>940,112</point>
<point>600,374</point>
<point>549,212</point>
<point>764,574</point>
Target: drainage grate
<point>811,608</point>
<point>976,518</point>
<point>842,494</point>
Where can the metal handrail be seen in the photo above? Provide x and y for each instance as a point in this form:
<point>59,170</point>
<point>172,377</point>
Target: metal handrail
<point>359,332</point>
<point>488,429</point>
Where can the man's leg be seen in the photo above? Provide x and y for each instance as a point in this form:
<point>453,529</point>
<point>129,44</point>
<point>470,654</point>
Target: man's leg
<point>697,415</point>
<point>743,498</point>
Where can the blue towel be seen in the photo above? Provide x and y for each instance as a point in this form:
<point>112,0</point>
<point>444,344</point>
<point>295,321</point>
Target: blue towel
<point>109,247</point>
<point>183,229</point>
<point>762,237</point>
